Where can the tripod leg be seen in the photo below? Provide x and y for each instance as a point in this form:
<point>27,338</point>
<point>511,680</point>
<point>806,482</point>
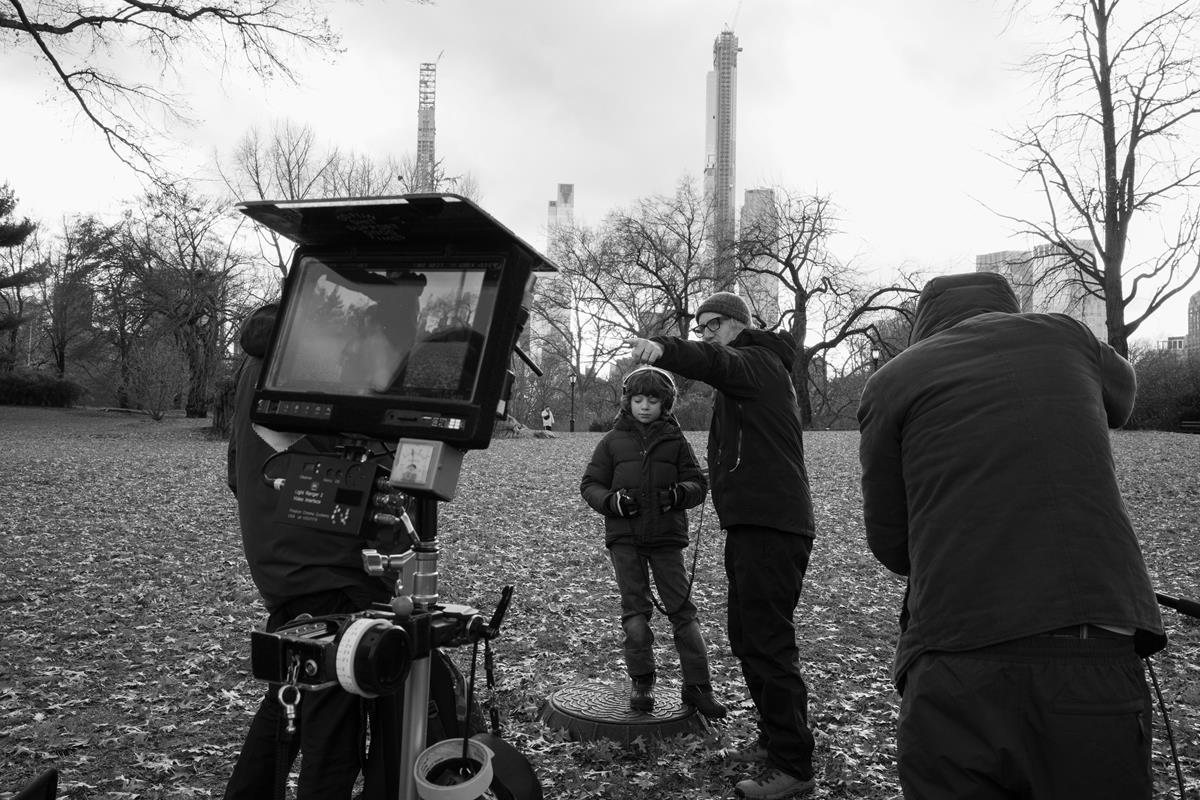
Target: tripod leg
<point>413,728</point>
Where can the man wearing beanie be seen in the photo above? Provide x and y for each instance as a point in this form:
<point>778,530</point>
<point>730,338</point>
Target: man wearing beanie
<point>760,491</point>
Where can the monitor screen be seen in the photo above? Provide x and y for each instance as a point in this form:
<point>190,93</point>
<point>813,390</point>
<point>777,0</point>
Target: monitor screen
<point>385,328</point>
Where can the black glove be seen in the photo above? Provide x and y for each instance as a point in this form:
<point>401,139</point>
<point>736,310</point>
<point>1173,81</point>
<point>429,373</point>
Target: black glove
<point>623,504</point>
<point>670,498</point>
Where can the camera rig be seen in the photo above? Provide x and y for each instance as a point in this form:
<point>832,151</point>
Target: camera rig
<point>394,340</point>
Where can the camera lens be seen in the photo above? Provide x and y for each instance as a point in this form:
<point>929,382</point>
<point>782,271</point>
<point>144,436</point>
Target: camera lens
<point>373,657</point>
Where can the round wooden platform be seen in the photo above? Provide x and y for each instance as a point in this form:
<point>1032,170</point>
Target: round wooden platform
<point>595,711</point>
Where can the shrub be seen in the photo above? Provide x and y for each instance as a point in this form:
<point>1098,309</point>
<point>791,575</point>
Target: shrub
<point>1168,390</point>
<point>30,388</point>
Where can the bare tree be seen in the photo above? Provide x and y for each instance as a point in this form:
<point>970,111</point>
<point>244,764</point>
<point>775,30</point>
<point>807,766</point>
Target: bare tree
<point>573,330</point>
<point>290,164</point>
<point>411,181</point>
<point>1120,93</point>
<point>789,244</point>
<point>71,37</point>
<point>67,296</point>
<point>187,269</point>
<point>663,249</point>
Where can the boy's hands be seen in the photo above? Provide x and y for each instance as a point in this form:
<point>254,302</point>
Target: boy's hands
<point>623,504</point>
<point>670,498</point>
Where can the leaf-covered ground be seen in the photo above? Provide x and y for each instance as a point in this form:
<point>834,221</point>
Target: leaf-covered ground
<point>127,606</point>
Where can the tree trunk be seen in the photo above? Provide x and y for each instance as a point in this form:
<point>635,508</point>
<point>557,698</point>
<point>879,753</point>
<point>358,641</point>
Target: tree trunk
<point>223,407</point>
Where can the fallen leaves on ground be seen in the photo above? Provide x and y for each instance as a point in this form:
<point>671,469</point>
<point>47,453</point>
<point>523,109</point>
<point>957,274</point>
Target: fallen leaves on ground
<point>124,658</point>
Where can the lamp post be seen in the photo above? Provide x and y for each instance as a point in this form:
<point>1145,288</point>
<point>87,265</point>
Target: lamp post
<point>572,379</point>
<point>875,355</point>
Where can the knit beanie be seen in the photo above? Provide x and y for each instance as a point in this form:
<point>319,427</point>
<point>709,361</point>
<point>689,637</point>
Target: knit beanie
<point>727,304</point>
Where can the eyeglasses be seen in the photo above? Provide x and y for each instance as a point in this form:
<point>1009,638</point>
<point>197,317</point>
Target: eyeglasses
<point>712,326</point>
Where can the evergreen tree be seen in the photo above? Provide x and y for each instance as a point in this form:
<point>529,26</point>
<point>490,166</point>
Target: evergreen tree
<point>13,276</point>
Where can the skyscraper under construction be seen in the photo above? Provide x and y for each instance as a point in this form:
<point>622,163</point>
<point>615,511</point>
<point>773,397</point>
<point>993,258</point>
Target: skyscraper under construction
<point>721,151</point>
<point>426,179</point>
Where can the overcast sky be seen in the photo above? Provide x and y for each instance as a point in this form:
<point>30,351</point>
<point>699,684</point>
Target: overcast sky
<point>894,109</point>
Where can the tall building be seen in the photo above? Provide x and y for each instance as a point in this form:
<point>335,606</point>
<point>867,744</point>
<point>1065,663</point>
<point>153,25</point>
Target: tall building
<point>426,179</point>
<point>561,211</point>
<point>721,150</point>
<point>1192,341</point>
<point>761,290</point>
<point>1042,287</point>
<point>546,328</point>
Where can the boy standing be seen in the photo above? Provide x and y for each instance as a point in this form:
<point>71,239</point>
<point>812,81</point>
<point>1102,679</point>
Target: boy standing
<point>642,476</point>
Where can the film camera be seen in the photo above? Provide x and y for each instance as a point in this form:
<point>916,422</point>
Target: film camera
<point>394,344</point>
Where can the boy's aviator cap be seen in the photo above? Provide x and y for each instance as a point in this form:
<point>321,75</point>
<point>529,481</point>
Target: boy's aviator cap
<point>727,304</point>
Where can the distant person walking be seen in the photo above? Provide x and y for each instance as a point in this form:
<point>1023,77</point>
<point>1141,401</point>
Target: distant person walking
<point>988,480</point>
<point>547,419</point>
<point>761,494</point>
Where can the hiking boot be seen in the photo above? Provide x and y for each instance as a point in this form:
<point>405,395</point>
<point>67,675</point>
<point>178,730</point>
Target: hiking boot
<point>773,784</point>
<point>754,754</point>
<point>641,697</point>
<point>700,696</point>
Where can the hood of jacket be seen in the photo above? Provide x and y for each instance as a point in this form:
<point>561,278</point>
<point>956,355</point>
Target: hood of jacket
<point>256,330</point>
<point>949,299</point>
<point>778,343</point>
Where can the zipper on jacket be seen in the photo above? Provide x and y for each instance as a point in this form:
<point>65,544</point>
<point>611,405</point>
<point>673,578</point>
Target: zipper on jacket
<point>737,453</point>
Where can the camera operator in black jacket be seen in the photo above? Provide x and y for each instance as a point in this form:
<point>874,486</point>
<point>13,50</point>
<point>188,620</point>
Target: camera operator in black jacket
<point>989,481</point>
<point>297,571</point>
<point>761,495</point>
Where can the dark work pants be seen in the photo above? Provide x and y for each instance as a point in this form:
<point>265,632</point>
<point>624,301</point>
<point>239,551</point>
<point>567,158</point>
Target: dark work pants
<point>633,568</point>
<point>1037,719</point>
<point>331,729</point>
<point>765,569</point>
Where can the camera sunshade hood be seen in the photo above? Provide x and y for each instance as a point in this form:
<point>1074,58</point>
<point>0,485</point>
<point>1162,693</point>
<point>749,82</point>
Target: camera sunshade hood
<point>418,221</point>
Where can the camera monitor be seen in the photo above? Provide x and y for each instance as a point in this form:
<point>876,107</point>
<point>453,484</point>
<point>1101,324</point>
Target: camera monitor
<point>398,319</point>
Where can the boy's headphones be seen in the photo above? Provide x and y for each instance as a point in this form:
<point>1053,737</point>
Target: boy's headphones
<point>657,371</point>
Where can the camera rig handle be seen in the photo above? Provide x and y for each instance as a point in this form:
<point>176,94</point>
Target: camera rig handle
<point>528,360</point>
<point>1189,608</point>
<point>492,630</point>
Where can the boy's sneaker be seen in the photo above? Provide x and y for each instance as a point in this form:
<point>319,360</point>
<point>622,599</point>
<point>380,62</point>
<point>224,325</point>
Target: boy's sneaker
<point>773,784</point>
<point>641,698</point>
<point>701,697</point>
<point>754,754</point>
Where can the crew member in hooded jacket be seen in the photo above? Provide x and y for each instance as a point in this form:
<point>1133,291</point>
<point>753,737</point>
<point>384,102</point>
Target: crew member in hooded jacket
<point>989,481</point>
<point>760,491</point>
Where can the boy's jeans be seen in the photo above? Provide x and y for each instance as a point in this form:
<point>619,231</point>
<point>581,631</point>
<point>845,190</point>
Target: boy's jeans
<point>634,569</point>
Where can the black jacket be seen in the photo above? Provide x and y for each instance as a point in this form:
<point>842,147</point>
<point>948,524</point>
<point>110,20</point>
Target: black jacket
<point>644,459</point>
<point>988,475</point>
<point>755,440</point>
<point>286,561</point>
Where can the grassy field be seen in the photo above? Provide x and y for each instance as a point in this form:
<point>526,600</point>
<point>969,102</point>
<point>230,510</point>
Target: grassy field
<point>127,606</point>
